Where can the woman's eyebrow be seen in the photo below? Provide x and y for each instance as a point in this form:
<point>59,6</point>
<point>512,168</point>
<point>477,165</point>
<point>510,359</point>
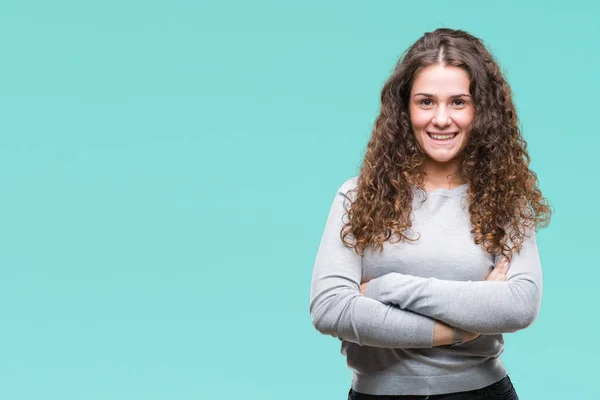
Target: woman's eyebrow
<point>453,96</point>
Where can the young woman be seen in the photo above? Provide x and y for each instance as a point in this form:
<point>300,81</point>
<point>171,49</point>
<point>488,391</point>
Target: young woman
<point>429,255</point>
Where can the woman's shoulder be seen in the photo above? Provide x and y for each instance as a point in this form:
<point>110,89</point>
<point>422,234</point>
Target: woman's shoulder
<point>348,185</point>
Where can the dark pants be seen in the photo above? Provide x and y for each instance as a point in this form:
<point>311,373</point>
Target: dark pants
<point>501,390</point>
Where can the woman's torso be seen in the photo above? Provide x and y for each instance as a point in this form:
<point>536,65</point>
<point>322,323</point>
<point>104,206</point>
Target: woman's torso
<point>444,250</point>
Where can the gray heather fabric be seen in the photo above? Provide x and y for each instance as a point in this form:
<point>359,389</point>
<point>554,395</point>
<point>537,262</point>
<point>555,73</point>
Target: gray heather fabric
<point>387,334</point>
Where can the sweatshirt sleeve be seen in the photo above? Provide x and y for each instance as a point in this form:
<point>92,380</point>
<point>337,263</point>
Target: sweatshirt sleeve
<point>480,306</point>
<point>338,309</point>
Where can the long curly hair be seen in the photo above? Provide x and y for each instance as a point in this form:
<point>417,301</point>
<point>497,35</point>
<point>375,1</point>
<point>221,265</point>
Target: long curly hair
<point>504,198</point>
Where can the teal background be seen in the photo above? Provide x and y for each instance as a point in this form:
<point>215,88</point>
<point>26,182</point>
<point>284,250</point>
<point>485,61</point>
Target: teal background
<point>166,169</point>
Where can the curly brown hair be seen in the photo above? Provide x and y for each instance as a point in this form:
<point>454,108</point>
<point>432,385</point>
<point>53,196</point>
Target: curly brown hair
<point>504,198</point>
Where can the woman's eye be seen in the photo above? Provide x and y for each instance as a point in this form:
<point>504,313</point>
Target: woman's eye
<point>459,102</point>
<point>425,102</point>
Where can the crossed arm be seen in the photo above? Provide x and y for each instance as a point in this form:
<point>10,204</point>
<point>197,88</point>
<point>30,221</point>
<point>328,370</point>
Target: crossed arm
<point>486,307</point>
<point>401,311</point>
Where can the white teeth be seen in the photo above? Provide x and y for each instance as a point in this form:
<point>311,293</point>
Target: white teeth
<point>442,137</point>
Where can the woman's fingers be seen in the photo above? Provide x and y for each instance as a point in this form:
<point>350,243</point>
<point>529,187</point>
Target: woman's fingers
<point>494,274</point>
<point>363,287</point>
<point>499,272</point>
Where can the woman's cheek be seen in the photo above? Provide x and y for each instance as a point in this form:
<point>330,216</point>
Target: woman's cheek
<point>420,120</point>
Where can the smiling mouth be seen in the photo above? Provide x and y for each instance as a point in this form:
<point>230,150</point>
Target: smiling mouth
<point>442,137</point>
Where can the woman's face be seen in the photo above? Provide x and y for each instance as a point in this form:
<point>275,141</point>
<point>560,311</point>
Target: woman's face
<point>441,111</point>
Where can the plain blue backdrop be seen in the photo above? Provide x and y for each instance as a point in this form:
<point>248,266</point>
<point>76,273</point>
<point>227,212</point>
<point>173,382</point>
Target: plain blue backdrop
<point>166,169</point>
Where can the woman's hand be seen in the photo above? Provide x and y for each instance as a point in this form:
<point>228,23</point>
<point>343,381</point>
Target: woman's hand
<point>363,287</point>
<point>498,274</point>
<point>443,334</point>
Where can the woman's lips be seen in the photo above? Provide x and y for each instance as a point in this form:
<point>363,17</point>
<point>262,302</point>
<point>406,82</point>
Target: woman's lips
<point>446,134</point>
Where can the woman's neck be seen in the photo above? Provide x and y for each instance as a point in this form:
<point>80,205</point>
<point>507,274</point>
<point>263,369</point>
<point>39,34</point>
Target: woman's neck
<point>443,175</point>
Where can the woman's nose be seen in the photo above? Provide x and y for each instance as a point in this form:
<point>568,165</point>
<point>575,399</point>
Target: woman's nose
<point>441,118</point>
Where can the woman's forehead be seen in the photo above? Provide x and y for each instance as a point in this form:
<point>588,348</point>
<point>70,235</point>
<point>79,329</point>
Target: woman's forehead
<point>437,80</point>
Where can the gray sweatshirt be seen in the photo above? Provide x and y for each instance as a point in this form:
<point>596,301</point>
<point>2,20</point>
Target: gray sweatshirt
<point>387,334</point>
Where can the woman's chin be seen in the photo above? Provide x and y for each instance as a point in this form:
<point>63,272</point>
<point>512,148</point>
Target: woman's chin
<point>441,158</point>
